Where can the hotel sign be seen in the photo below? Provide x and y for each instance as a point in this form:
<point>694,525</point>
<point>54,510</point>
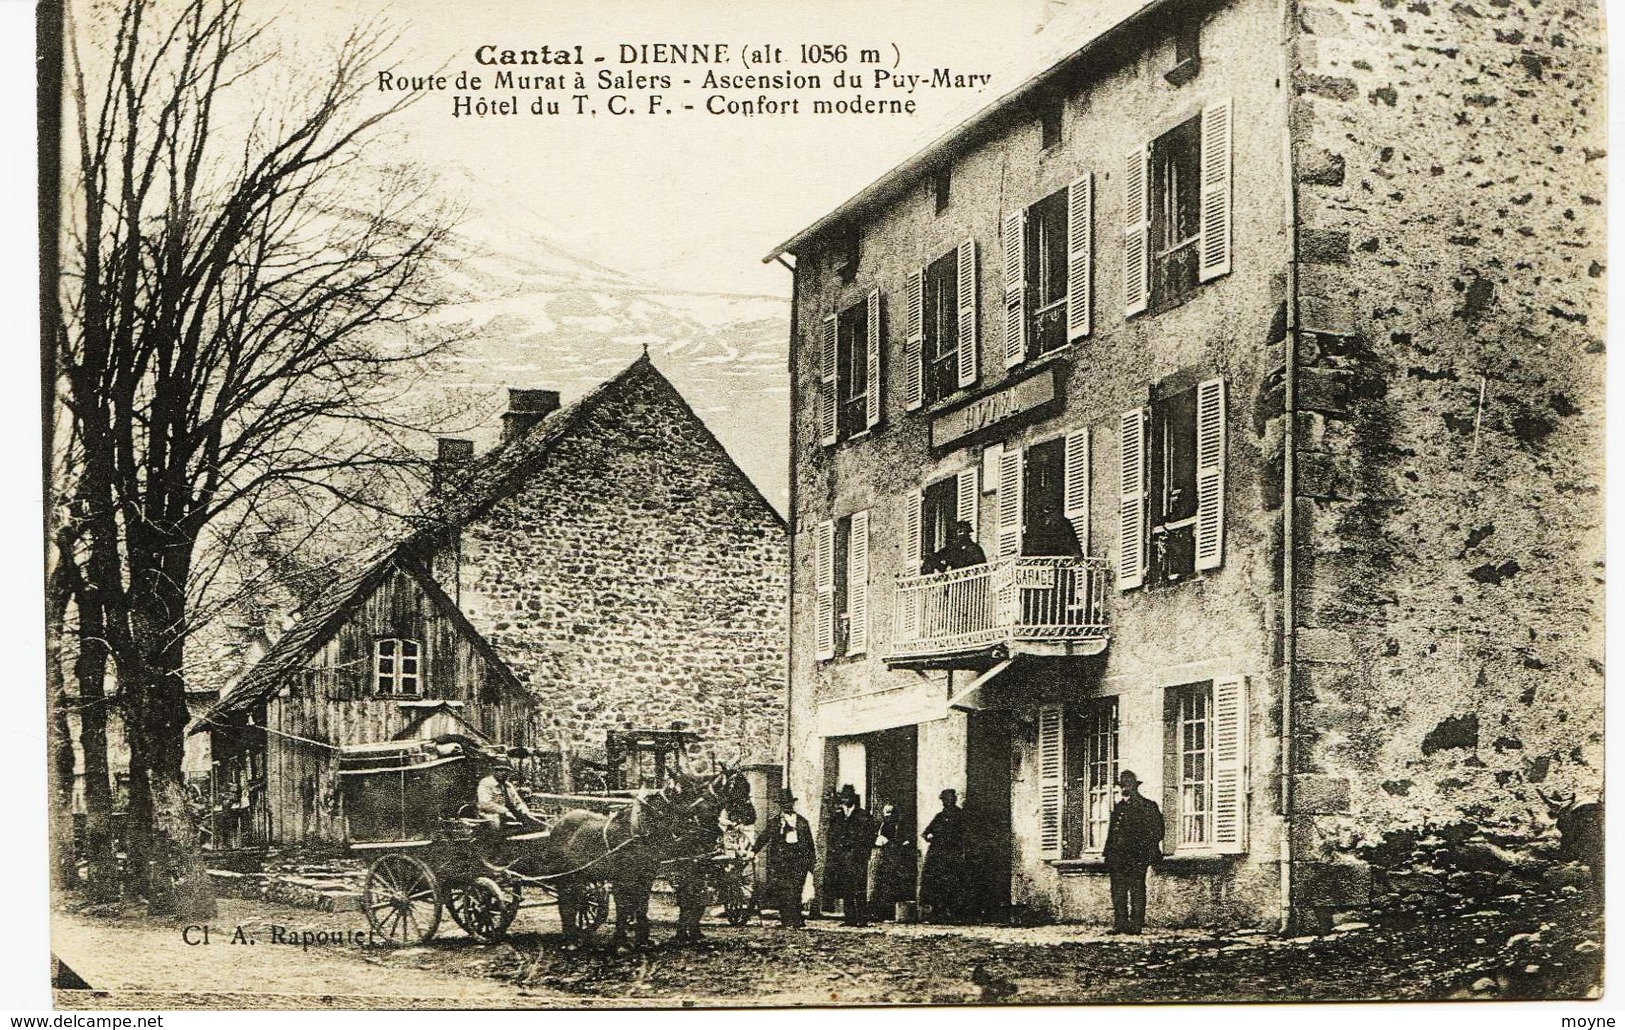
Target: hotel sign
<point>987,411</point>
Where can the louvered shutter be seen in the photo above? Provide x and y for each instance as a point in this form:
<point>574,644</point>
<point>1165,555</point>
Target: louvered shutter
<point>1136,231</point>
<point>1131,502</point>
<point>908,603</point>
<point>1216,190</point>
<point>1075,485</point>
<point>966,292</point>
<point>873,352</point>
<point>1230,728</point>
<point>914,345</point>
<point>1210,474</point>
<point>826,399</point>
<point>966,487</point>
<point>1015,288</point>
<point>1051,765</point>
<point>1080,207</point>
<point>824,586</point>
<point>1009,528</point>
<point>857,585</point>
<point>916,545</point>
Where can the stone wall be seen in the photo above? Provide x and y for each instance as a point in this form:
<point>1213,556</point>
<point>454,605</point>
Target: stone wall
<point>638,579</point>
<point>1449,511</point>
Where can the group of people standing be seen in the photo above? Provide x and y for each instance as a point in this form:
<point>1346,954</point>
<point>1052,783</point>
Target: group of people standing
<point>869,864</point>
<point>868,867</point>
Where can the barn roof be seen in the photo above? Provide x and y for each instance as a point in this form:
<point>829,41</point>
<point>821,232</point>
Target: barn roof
<point>322,618</point>
<point>481,484</point>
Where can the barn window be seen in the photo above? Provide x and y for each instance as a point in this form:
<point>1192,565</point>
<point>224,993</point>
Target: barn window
<point>397,667</point>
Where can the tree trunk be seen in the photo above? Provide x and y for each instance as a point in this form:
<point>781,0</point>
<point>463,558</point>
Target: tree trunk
<point>90,677</point>
<point>177,883</point>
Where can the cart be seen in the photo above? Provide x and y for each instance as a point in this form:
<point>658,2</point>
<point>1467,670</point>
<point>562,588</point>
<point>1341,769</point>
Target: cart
<point>408,805</point>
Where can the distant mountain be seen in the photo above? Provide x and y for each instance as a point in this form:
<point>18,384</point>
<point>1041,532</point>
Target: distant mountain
<point>530,313</point>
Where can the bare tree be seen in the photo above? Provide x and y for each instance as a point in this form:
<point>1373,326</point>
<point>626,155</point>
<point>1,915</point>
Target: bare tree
<point>242,290</point>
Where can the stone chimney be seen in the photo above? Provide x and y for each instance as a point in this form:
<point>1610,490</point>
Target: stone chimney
<point>453,456</point>
<point>525,409</point>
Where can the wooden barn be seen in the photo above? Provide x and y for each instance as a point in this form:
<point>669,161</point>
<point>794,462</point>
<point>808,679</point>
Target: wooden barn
<point>384,654</point>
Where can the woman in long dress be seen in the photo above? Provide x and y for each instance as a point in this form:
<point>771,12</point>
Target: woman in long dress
<point>942,881</point>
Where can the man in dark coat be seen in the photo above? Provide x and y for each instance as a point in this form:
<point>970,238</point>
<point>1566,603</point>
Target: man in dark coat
<point>942,880</point>
<point>1133,844</point>
<point>891,865</point>
<point>960,552</point>
<point>788,841</point>
<point>851,836</point>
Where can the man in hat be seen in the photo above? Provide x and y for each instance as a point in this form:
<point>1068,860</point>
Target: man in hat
<point>788,841</point>
<point>498,800</point>
<point>960,552</point>
<point>942,880</point>
<point>851,835</point>
<point>1133,844</point>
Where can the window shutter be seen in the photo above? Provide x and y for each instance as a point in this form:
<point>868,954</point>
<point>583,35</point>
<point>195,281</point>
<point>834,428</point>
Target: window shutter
<point>1051,765</point>
<point>966,291</point>
<point>967,489</point>
<point>916,545</point>
<point>1131,502</point>
<point>1009,530</point>
<point>1210,474</point>
<point>826,400</point>
<point>1015,286</point>
<point>1075,485</point>
<point>914,345</point>
<point>1216,207</point>
<point>1080,207</point>
<point>1230,726</point>
<point>872,346</point>
<point>908,604</point>
<point>1136,231</point>
<point>857,585</point>
<point>824,585</point>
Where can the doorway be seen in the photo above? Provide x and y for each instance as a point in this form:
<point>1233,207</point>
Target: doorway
<point>987,813</point>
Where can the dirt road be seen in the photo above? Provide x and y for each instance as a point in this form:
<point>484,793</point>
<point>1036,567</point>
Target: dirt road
<point>1541,948</point>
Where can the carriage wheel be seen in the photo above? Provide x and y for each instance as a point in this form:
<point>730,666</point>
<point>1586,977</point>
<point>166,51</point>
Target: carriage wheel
<point>482,909</point>
<point>401,900</point>
<point>737,890</point>
<point>592,906</point>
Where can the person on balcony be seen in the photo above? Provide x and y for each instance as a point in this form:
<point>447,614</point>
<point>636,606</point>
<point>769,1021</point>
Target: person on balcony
<point>960,552</point>
<point>1050,534</point>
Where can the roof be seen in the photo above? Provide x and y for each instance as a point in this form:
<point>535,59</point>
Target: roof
<point>480,485</point>
<point>322,618</point>
<point>1077,32</point>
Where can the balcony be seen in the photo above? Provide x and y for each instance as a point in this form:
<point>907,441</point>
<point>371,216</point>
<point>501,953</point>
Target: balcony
<point>1009,606</point>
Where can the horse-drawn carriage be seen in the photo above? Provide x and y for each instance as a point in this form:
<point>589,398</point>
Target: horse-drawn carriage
<point>410,805</point>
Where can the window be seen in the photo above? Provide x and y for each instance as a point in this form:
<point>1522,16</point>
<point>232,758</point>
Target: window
<point>396,667</point>
<point>1205,771</point>
<point>849,353</point>
<point>852,369</point>
<point>1043,497</point>
<point>1050,115</point>
<point>1171,505</point>
<point>1190,719</point>
<point>1187,59</point>
<point>1171,494</point>
<point>1046,274</point>
<point>844,257</point>
<point>941,344</point>
<point>841,571</point>
<point>939,353</point>
<point>932,512</point>
<point>1048,259</point>
<point>1177,211</point>
<point>942,187</point>
<point>1091,774</point>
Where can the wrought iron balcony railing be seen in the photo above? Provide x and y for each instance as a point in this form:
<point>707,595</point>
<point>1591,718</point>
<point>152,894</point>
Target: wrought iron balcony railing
<point>1054,601</point>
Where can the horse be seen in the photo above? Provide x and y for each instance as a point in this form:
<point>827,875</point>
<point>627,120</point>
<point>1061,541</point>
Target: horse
<point>679,821</point>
